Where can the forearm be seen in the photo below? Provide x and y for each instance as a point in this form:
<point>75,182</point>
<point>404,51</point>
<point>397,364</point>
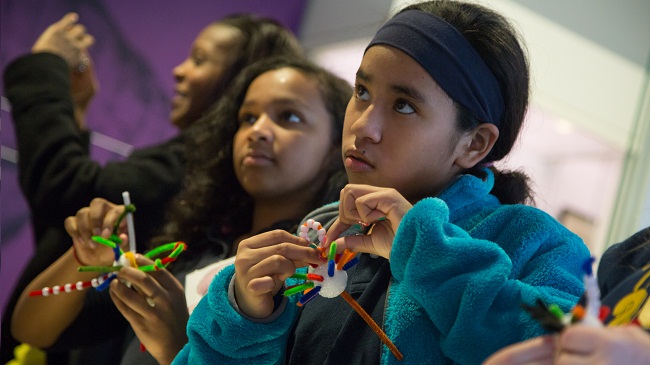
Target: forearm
<point>48,140</point>
<point>40,320</point>
<point>80,117</point>
<point>219,333</point>
<point>169,354</point>
<point>57,174</point>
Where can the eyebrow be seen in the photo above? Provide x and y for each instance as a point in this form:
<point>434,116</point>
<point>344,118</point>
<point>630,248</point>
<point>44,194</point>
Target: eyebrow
<point>401,89</point>
<point>283,102</point>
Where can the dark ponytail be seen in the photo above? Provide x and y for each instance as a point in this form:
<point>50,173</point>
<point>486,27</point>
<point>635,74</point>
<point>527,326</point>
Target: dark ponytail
<point>499,46</point>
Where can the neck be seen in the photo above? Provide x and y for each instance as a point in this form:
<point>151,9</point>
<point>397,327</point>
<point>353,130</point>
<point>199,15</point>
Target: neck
<point>266,212</point>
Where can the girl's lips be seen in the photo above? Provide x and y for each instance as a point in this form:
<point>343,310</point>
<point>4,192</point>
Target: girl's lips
<point>179,93</point>
<point>256,161</point>
<point>353,164</point>
<point>177,99</point>
<point>356,160</point>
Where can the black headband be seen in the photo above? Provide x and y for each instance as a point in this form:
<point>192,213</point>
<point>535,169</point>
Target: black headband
<point>449,58</point>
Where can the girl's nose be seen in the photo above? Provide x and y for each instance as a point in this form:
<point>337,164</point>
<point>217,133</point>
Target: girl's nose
<point>367,124</point>
<point>262,129</point>
<point>179,71</point>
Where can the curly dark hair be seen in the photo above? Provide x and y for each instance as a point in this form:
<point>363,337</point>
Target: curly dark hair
<point>259,38</point>
<point>211,193</point>
<point>500,47</point>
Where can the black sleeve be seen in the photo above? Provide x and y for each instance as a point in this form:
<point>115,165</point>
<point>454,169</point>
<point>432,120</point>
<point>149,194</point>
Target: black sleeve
<point>56,173</point>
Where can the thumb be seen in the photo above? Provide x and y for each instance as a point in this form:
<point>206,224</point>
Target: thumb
<point>335,230</point>
<point>142,260</point>
<point>359,243</point>
<point>67,21</point>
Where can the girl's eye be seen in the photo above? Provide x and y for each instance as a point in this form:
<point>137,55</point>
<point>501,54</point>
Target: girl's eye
<point>198,57</point>
<point>361,93</point>
<point>291,117</point>
<point>198,61</point>
<point>248,119</point>
<point>404,107</point>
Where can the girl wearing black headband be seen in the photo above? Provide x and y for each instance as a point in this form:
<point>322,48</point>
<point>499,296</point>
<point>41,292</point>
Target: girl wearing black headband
<point>451,253</point>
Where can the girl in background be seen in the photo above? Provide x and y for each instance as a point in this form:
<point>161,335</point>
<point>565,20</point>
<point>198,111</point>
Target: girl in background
<point>262,159</point>
<point>50,90</point>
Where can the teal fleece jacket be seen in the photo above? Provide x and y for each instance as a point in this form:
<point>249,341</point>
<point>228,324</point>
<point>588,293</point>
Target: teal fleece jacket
<point>462,264</point>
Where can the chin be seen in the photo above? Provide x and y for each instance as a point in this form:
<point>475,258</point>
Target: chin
<point>360,179</point>
<point>180,123</point>
<point>178,117</point>
<point>173,117</point>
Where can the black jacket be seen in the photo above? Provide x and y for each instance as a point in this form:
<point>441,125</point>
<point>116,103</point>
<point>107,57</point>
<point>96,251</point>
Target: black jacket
<point>58,176</point>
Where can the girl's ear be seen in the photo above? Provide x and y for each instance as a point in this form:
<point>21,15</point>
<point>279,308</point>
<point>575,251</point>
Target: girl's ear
<point>477,144</point>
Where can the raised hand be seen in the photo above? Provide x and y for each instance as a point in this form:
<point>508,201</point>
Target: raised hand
<point>65,38</point>
<point>83,88</point>
<point>263,263</point>
<point>381,207</point>
<point>97,219</point>
<point>155,306</point>
<point>70,41</point>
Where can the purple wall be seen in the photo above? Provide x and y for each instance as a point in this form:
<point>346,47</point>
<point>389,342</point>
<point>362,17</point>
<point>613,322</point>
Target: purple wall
<point>137,45</point>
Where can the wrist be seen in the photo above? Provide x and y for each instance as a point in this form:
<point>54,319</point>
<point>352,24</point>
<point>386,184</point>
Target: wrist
<point>76,257</point>
<point>80,118</point>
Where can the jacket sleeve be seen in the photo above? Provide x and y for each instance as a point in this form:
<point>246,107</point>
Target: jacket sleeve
<point>219,334</point>
<point>472,289</point>
<point>56,172</point>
